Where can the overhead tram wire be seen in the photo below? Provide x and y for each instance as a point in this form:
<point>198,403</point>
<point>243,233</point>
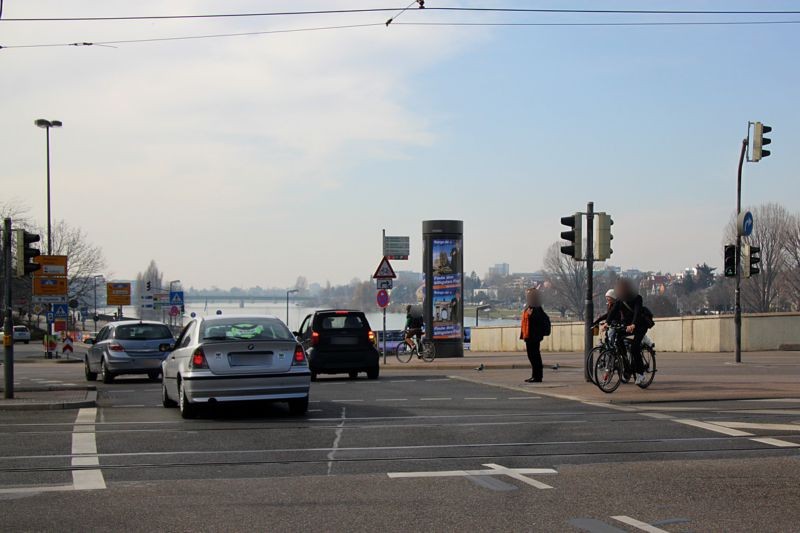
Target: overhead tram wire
<point>111,43</point>
<point>402,9</point>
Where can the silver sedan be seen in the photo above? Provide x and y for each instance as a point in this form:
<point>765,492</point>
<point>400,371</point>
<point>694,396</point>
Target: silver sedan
<point>235,358</point>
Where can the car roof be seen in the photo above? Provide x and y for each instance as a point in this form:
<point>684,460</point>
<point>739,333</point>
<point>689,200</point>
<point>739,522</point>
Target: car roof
<point>219,318</point>
<point>338,310</point>
<point>136,322</point>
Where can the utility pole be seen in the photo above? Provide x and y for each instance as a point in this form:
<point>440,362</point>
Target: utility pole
<point>8,327</point>
<point>589,311</point>
<point>737,317</point>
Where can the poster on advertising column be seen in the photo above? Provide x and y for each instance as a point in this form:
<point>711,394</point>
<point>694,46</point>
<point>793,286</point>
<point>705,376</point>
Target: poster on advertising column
<point>447,303</point>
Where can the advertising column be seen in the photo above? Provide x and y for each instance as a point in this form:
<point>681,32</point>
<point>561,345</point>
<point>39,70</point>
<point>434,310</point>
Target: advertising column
<point>444,285</point>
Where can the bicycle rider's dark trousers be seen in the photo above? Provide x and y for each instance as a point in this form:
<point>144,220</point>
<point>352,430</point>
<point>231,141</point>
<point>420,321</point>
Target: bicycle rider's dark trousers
<point>636,349</point>
<point>535,357</point>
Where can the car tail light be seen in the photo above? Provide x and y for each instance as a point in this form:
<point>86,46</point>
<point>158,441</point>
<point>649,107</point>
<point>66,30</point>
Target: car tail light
<point>314,338</point>
<point>116,348</point>
<point>342,312</point>
<point>371,336</point>
<point>299,358</point>
<point>198,359</point>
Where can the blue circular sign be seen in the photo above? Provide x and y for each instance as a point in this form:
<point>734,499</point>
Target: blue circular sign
<point>745,224</point>
<point>383,298</point>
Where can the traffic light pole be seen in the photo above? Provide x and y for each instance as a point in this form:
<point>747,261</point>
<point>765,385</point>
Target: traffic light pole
<point>589,311</point>
<point>8,327</point>
<point>737,317</point>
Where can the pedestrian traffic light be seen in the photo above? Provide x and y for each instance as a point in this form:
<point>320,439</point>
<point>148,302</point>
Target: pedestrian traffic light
<point>730,260</point>
<point>148,286</point>
<point>574,236</point>
<point>603,237</point>
<point>759,141</point>
<point>25,252</point>
<point>752,257</point>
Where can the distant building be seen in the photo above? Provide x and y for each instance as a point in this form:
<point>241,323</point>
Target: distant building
<point>500,270</point>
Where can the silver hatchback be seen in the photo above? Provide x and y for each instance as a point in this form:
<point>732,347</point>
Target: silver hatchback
<point>127,347</point>
<point>235,358</point>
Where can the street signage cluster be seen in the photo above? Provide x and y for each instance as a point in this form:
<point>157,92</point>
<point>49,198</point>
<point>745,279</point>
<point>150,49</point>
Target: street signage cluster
<point>50,280</point>
<point>396,248</point>
<point>118,293</point>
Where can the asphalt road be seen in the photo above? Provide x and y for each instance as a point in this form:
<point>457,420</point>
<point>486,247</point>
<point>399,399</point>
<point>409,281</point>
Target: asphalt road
<point>411,451</point>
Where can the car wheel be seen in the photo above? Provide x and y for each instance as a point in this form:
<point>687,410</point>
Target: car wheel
<point>299,406</point>
<point>373,373</point>
<point>105,373</point>
<point>313,376</point>
<point>353,375</point>
<point>90,376</point>
<point>165,399</point>
<point>26,342</point>
<point>154,375</point>
<point>187,409</point>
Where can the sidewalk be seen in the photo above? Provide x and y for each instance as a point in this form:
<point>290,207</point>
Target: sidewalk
<point>680,377</point>
<point>44,398</point>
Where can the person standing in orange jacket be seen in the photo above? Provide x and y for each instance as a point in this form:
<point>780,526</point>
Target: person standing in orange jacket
<point>535,325</point>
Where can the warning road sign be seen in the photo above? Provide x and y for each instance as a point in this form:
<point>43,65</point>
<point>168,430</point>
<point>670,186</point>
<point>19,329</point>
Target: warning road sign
<point>385,270</point>
<point>176,297</point>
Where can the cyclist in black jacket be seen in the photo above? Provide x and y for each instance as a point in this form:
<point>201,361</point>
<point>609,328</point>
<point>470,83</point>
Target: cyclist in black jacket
<point>628,311</point>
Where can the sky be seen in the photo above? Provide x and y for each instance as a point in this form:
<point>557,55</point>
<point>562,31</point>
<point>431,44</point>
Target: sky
<point>253,160</point>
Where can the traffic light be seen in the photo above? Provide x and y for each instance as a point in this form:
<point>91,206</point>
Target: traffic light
<point>25,252</point>
<point>752,257</point>
<point>148,286</point>
<point>759,141</point>
<point>574,236</point>
<point>730,260</point>
<point>603,237</point>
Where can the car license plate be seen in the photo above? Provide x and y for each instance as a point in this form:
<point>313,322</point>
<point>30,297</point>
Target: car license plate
<point>250,359</point>
<point>344,341</point>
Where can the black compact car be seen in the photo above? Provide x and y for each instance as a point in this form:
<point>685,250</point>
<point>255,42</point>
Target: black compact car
<point>339,342</point>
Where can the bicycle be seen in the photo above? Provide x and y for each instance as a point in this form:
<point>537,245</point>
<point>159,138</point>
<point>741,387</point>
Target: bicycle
<point>613,368</point>
<point>409,348</point>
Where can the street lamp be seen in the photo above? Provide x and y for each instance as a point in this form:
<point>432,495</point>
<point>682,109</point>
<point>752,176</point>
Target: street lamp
<point>94,279</point>
<point>290,291</point>
<point>47,124</point>
<point>478,311</point>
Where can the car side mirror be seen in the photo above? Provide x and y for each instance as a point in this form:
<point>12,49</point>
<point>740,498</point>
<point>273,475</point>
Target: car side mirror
<point>296,333</point>
<point>166,347</point>
<point>90,341</point>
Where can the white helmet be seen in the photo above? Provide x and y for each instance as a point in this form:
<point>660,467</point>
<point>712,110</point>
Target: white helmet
<point>611,293</point>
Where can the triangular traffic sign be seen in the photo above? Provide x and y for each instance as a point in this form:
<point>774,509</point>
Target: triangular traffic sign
<point>385,270</point>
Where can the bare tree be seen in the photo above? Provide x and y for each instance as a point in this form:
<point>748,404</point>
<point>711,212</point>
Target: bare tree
<point>153,275</point>
<point>792,257</point>
<point>566,281</point>
<point>770,231</point>
<point>85,259</point>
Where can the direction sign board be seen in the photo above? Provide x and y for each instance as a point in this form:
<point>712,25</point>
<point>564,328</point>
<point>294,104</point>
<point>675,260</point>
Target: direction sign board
<point>118,293</point>
<point>50,287</point>
<point>50,299</point>
<point>60,311</point>
<point>52,265</point>
<point>396,247</point>
<point>745,223</point>
<point>386,284</point>
<point>176,297</point>
<point>385,270</point>
<point>382,298</point>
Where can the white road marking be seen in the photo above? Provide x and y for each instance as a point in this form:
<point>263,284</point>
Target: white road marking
<point>642,526</point>
<point>713,427</point>
<point>659,416</point>
<point>777,400</point>
<point>315,410</point>
<point>525,398</point>
<point>84,451</point>
<point>438,379</point>
<point>493,470</point>
<point>478,398</point>
<point>434,399</point>
<point>402,381</point>
<point>392,400</point>
<point>750,425</point>
<point>346,401</point>
<point>336,440</point>
<point>777,442</point>
<point>43,488</point>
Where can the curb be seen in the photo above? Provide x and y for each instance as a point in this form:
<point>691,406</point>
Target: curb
<point>90,401</point>
<point>471,366</point>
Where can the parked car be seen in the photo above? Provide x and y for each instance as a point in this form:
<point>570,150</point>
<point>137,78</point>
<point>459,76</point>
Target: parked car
<point>339,342</point>
<point>127,347</point>
<point>239,358</point>
<point>393,338</point>
<point>22,334</point>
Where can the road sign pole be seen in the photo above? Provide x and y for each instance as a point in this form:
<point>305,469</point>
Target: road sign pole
<point>737,317</point>
<point>8,328</point>
<point>589,311</point>
<point>384,336</point>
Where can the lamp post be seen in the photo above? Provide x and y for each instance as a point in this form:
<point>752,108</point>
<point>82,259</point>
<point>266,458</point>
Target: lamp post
<point>94,279</point>
<point>478,312</point>
<point>290,291</point>
<point>47,124</point>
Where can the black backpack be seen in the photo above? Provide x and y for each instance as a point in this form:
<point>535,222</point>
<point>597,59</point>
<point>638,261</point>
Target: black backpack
<point>417,322</point>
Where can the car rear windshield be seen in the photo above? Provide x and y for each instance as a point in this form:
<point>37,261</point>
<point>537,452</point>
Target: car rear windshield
<point>255,329</point>
<point>142,332</point>
<point>20,328</point>
<point>342,321</point>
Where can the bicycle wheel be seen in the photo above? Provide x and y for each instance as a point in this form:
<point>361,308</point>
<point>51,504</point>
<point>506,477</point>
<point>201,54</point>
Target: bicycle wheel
<point>428,351</point>
<point>404,352</point>
<point>649,360</point>
<point>608,372</point>
<point>590,362</point>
